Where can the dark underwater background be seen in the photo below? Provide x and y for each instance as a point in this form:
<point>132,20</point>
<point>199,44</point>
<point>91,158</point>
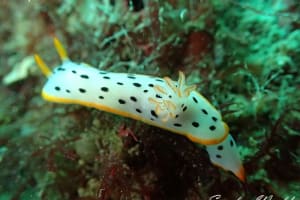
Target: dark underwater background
<point>244,56</point>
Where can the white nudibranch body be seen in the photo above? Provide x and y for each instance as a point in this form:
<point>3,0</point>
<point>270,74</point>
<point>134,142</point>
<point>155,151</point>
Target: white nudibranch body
<point>160,102</point>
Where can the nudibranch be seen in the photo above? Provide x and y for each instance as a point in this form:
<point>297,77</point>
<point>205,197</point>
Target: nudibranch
<point>161,102</point>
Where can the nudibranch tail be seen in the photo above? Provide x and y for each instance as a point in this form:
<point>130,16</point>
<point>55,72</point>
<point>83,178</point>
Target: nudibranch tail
<point>60,50</point>
<point>42,65</point>
<point>241,174</point>
<point>225,155</point>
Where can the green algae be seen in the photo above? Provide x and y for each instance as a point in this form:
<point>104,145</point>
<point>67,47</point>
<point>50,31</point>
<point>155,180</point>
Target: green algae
<point>243,56</point>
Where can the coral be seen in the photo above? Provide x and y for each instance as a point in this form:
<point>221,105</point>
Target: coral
<point>20,71</point>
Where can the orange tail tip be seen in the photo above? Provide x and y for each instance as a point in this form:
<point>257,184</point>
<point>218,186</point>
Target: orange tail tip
<point>42,65</point>
<point>241,174</point>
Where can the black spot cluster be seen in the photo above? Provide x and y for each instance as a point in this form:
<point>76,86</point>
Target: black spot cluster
<point>132,77</point>
<point>105,89</point>
<point>131,98</point>
<point>213,127</point>
<point>122,101</point>
<point>82,76</point>
<point>219,148</point>
<point>59,89</point>
<point>205,112</point>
